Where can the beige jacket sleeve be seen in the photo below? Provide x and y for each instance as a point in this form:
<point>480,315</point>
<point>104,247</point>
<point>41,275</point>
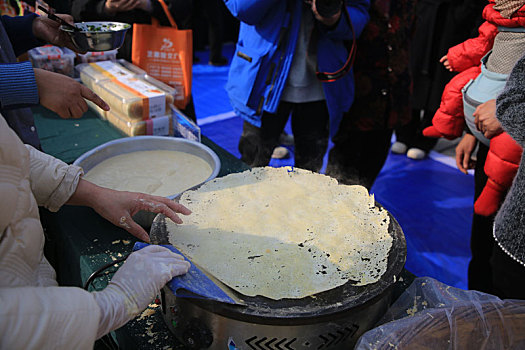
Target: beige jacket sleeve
<point>53,318</point>
<point>53,182</point>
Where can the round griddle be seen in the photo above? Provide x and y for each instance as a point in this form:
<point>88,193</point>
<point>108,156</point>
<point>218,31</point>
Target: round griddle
<point>340,299</point>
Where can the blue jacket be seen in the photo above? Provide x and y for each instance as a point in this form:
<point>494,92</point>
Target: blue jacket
<point>259,68</point>
<point>18,87</point>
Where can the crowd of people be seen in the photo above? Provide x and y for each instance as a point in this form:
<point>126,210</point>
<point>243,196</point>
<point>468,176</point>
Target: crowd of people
<point>351,71</point>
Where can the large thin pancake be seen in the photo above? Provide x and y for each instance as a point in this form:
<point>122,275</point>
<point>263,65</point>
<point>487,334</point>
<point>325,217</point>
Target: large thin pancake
<point>280,233</point>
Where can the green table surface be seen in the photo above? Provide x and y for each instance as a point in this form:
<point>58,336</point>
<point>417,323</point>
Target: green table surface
<point>79,241</point>
<point>67,139</point>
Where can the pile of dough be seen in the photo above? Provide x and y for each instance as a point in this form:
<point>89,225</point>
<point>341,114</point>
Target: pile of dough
<point>284,232</point>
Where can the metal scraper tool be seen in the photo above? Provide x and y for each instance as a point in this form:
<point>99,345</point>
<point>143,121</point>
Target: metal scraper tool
<point>159,235</point>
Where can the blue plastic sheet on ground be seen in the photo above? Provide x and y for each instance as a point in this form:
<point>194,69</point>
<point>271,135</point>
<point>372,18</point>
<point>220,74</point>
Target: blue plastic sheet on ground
<point>225,133</point>
<point>433,204</point>
<point>193,284</point>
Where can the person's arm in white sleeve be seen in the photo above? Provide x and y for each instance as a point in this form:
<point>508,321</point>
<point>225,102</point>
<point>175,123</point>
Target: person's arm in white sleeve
<point>136,284</point>
<point>48,318</point>
<point>118,207</point>
<point>71,318</point>
<point>54,183</point>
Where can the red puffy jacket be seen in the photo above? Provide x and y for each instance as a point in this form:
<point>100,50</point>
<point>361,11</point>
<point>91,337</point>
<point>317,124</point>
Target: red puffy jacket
<point>504,153</point>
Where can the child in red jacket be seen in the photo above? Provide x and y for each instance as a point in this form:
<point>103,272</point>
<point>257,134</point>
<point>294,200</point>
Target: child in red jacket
<point>501,42</point>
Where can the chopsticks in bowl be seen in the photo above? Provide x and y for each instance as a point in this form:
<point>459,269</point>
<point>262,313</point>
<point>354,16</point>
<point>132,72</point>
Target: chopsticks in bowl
<point>52,16</point>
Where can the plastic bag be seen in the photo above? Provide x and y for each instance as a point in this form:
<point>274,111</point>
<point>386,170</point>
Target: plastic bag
<point>432,315</point>
<point>166,53</point>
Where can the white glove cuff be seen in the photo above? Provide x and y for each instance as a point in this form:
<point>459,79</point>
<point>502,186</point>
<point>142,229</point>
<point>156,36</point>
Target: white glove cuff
<point>116,309</point>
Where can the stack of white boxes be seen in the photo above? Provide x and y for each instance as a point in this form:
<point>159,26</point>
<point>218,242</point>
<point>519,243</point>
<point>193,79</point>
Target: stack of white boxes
<point>140,105</point>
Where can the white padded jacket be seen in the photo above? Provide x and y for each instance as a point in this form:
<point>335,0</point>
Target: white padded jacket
<point>34,312</point>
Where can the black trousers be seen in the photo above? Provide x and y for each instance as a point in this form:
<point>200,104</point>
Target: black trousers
<point>411,134</point>
<point>310,131</point>
<point>508,275</point>
<point>358,156</point>
<point>208,15</point>
<point>481,238</point>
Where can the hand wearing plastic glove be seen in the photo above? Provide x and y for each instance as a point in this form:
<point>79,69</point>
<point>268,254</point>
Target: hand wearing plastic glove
<point>135,284</point>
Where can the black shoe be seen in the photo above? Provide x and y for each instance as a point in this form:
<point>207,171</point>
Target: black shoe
<point>219,62</point>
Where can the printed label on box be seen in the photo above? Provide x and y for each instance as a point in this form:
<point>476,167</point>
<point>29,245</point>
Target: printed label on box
<point>158,126</point>
<point>183,127</point>
<point>111,69</point>
<point>154,99</point>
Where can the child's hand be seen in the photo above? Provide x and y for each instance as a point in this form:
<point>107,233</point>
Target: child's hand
<point>446,63</point>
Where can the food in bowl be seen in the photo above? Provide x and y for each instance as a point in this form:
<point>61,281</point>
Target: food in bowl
<point>97,36</point>
<point>159,172</point>
<point>99,26</point>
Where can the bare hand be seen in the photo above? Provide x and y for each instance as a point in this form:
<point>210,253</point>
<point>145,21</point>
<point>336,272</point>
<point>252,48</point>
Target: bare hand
<point>327,21</point>
<point>118,207</point>
<point>114,6</point>
<point>49,31</point>
<point>63,95</point>
<point>464,151</point>
<point>485,119</point>
<point>446,63</point>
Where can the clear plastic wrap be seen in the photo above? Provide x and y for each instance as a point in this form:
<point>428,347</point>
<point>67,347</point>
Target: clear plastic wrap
<point>184,127</point>
<point>53,58</point>
<point>432,315</point>
<point>98,111</point>
<point>159,126</point>
<point>90,57</point>
<point>93,74</point>
<point>135,96</point>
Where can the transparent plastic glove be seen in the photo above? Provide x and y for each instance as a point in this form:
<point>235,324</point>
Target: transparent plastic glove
<point>135,284</point>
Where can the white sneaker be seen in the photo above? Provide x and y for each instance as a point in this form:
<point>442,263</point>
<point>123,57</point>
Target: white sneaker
<point>280,153</point>
<point>416,153</point>
<point>399,148</point>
